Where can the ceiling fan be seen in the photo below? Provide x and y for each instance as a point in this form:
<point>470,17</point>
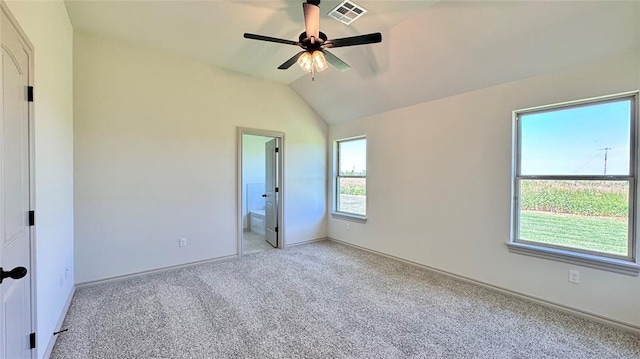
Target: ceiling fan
<point>315,43</point>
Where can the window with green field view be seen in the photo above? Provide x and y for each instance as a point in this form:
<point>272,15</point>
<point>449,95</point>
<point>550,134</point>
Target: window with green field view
<point>351,177</point>
<point>575,177</point>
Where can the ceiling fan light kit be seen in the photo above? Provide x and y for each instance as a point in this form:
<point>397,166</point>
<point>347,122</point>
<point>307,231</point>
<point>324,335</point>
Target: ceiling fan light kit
<point>315,56</point>
<point>313,62</point>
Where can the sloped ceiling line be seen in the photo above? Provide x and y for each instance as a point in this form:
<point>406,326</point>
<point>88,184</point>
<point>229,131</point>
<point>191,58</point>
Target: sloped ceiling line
<point>430,49</point>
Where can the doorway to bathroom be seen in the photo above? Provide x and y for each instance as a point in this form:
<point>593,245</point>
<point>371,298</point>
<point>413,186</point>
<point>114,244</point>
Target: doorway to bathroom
<point>260,197</point>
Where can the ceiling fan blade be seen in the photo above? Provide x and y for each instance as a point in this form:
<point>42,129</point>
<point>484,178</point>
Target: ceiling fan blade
<point>311,19</point>
<point>335,61</point>
<point>270,39</point>
<point>291,61</point>
<point>354,40</point>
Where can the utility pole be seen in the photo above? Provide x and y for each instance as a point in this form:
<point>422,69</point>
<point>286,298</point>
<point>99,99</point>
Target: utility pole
<point>606,151</point>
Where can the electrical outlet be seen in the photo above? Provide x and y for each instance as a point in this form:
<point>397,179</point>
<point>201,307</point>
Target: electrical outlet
<point>574,276</point>
<point>61,279</point>
<point>66,273</point>
<point>348,226</point>
<point>182,242</point>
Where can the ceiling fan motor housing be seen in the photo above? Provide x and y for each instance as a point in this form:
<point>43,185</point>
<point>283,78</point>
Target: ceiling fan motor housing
<point>306,43</point>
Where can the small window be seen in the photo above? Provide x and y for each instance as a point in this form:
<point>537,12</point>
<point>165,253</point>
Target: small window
<point>575,178</point>
<point>351,178</point>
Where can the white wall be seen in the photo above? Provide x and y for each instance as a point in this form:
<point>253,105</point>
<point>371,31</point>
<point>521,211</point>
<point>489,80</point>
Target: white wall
<point>49,30</point>
<point>155,158</point>
<point>253,162</point>
<point>439,188</point>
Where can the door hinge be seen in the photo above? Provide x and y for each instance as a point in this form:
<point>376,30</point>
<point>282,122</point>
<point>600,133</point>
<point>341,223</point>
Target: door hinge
<point>277,189</point>
<point>32,218</point>
<point>276,229</point>
<point>32,340</point>
<point>277,149</point>
<point>30,93</point>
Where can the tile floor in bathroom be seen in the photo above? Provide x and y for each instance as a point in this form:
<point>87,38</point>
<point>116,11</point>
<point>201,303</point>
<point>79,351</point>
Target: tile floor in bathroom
<point>252,243</point>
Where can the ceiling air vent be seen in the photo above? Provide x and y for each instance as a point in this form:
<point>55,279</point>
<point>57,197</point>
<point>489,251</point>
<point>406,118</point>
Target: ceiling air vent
<point>347,12</point>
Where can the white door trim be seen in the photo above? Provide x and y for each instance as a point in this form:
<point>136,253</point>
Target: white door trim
<point>282,186</point>
<point>28,47</point>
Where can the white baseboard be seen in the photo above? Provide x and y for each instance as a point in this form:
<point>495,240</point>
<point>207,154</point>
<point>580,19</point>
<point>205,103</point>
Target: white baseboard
<point>307,242</point>
<point>53,338</point>
<point>541,301</point>
<point>151,271</point>
<point>164,269</point>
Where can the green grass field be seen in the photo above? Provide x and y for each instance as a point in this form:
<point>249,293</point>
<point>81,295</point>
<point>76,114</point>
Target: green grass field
<point>588,215</point>
<point>600,234</point>
<point>588,198</point>
<point>353,195</point>
<point>352,204</point>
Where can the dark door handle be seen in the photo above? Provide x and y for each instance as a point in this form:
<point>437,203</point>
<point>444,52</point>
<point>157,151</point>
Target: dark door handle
<point>264,195</point>
<point>15,273</point>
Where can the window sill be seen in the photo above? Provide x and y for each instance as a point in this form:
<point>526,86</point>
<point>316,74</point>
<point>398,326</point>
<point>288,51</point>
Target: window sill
<point>349,217</point>
<point>587,260</point>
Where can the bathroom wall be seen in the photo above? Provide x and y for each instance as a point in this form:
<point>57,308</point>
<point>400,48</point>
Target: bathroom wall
<point>252,171</point>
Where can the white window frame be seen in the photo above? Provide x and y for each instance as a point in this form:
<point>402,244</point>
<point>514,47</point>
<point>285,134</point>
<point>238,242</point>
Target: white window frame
<point>335,213</point>
<point>621,264</point>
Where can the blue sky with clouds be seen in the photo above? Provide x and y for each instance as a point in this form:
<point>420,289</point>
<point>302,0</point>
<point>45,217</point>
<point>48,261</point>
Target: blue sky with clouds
<point>572,141</point>
<point>353,155</point>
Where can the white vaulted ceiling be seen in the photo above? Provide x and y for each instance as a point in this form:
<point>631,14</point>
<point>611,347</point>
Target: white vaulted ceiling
<point>429,49</point>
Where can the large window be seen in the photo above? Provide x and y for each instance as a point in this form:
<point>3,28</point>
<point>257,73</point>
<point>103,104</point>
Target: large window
<point>351,177</point>
<point>575,178</point>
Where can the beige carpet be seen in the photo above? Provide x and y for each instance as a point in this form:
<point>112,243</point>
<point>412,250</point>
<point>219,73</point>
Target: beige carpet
<point>321,300</point>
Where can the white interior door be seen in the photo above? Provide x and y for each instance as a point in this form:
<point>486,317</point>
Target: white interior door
<point>271,189</point>
<point>15,236</point>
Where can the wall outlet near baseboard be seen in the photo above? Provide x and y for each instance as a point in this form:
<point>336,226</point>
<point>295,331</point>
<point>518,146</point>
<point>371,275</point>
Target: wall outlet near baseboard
<point>182,242</point>
<point>574,276</point>
<point>348,226</point>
